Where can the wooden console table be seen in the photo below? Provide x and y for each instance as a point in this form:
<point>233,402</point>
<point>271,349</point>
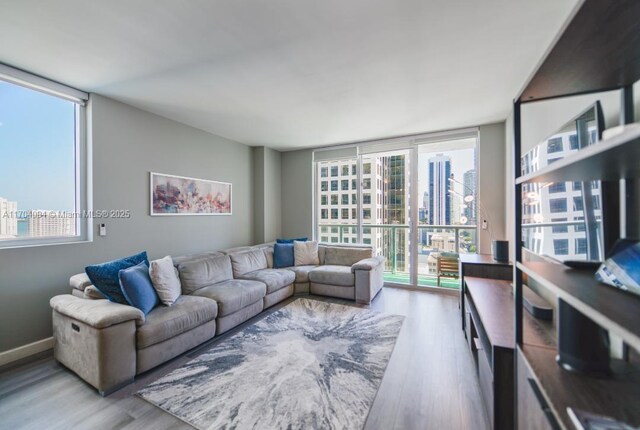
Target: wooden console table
<point>481,266</point>
<point>491,334</point>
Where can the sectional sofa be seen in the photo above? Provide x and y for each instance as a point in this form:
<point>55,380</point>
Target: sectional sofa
<point>107,344</point>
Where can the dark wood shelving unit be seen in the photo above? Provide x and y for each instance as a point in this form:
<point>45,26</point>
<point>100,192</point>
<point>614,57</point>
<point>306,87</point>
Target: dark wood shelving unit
<point>597,50</point>
<point>610,159</point>
<point>611,308</point>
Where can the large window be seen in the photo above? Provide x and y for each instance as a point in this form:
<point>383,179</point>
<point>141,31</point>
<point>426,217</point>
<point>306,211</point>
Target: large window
<point>43,177</point>
<point>411,202</point>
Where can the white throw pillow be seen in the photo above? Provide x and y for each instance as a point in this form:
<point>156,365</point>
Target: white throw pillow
<point>165,280</point>
<point>305,253</point>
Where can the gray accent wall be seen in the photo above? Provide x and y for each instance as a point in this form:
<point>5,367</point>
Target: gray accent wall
<point>267,189</point>
<point>297,193</point>
<point>128,143</point>
<point>491,166</point>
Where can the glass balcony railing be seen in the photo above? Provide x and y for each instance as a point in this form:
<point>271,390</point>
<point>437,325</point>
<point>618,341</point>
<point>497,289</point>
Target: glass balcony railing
<point>394,241</point>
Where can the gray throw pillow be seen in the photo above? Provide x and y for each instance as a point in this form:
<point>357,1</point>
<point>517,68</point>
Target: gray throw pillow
<point>165,280</point>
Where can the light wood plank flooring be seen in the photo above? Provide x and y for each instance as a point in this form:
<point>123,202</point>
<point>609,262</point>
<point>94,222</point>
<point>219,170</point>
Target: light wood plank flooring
<point>429,383</point>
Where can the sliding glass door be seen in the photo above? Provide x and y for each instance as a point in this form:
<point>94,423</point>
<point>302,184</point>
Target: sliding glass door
<point>414,203</point>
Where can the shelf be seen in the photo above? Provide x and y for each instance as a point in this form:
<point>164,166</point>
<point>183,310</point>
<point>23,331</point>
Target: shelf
<point>598,49</point>
<point>617,396</point>
<point>609,307</point>
<point>611,159</point>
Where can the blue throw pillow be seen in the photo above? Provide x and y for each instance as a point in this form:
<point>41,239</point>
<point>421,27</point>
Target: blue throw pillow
<point>283,255</point>
<point>105,276</point>
<point>301,239</point>
<point>137,287</point>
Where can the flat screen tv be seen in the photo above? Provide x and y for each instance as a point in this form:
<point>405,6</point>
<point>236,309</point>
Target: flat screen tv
<point>563,220</point>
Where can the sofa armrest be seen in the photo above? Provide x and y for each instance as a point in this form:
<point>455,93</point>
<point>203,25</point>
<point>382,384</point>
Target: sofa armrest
<point>96,313</point>
<point>368,263</point>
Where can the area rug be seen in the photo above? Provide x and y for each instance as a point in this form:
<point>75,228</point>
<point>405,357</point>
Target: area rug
<point>309,365</point>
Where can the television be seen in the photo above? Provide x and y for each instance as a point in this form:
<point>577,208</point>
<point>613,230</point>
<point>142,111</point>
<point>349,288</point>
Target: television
<point>563,220</point>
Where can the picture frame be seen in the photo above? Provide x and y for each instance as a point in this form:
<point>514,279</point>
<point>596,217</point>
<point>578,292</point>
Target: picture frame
<point>172,195</point>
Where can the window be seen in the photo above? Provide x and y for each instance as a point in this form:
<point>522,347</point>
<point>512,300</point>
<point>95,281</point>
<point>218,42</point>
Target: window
<point>324,172</point>
<point>353,213</point>
<point>557,187</point>
<point>557,205</point>
<point>366,213</point>
<point>345,199</point>
<point>334,170</point>
<point>366,184</point>
<point>577,204</point>
<point>345,170</point>
<point>581,245</point>
<point>324,239</point>
<point>554,145</point>
<point>345,185</point>
<point>353,169</point>
<point>559,228</point>
<point>596,202</point>
<point>334,185</point>
<point>334,213</point>
<point>561,246</point>
<point>345,213</point>
<point>366,168</point>
<point>354,184</point>
<point>324,214</point>
<point>573,141</point>
<point>579,227</point>
<point>577,186</point>
<point>334,199</point>
<point>354,199</point>
<point>324,186</point>
<point>334,239</point>
<point>323,200</point>
<point>366,199</point>
<point>43,192</point>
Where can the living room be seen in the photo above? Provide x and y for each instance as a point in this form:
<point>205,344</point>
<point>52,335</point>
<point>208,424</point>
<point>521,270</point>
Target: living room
<point>389,143</point>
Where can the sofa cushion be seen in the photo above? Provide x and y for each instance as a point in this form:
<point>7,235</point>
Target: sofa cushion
<point>299,239</point>
<point>248,261</point>
<point>301,272</point>
<point>305,253</point>
<point>283,255</point>
<point>165,279</point>
<point>345,256</point>
<point>234,294</point>
<point>179,259</point>
<point>104,276</point>
<point>79,281</point>
<point>273,278</point>
<point>137,287</point>
<point>333,275</point>
<point>268,253</point>
<point>166,322</point>
<point>195,274</point>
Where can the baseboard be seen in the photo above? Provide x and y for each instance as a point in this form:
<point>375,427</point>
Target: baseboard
<point>24,351</point>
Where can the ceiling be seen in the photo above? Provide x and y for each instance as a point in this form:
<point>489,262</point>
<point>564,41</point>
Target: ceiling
<point>291,74</point>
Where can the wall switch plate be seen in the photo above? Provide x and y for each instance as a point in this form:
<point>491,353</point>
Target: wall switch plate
<point>485,225</point>
<point>102,230</point>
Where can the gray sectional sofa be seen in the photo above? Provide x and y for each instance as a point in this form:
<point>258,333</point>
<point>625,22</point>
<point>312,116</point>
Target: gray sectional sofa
<point>108,344</point>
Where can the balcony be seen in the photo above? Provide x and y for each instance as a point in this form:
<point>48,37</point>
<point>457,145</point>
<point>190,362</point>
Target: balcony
<point>394,242</point>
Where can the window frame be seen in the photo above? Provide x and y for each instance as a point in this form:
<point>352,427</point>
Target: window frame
<point>82,158</point>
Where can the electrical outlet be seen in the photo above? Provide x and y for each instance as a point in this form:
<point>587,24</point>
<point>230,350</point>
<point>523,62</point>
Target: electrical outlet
<point>485,225</point>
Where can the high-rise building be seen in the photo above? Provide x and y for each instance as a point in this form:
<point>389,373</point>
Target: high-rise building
<point>395,208</point>
<point>44,223</point>
<point>440,201</point>
<point>8,219</point>
<point>469,185</point>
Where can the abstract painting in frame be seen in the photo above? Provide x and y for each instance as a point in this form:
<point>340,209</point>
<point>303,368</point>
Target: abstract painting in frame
<point>181,195</point>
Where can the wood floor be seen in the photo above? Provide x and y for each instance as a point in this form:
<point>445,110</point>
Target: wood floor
<point>429,382</point>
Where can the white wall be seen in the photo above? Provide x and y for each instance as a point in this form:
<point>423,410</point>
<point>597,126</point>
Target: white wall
<point>127,144</point>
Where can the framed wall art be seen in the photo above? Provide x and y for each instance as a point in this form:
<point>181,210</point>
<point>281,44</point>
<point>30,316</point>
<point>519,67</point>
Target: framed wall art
<point>181,195</point>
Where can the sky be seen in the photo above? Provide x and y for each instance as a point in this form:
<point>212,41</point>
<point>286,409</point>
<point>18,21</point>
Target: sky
<point>37,165</point>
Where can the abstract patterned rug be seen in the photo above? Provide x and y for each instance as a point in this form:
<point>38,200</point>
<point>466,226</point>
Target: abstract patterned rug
<point>309,365</point>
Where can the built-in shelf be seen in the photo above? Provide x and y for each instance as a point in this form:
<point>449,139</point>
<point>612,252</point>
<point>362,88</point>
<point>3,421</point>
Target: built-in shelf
<point>598,49</point>
<point>617,396</point>
<point>610,159</point>
<point>609,307</point>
